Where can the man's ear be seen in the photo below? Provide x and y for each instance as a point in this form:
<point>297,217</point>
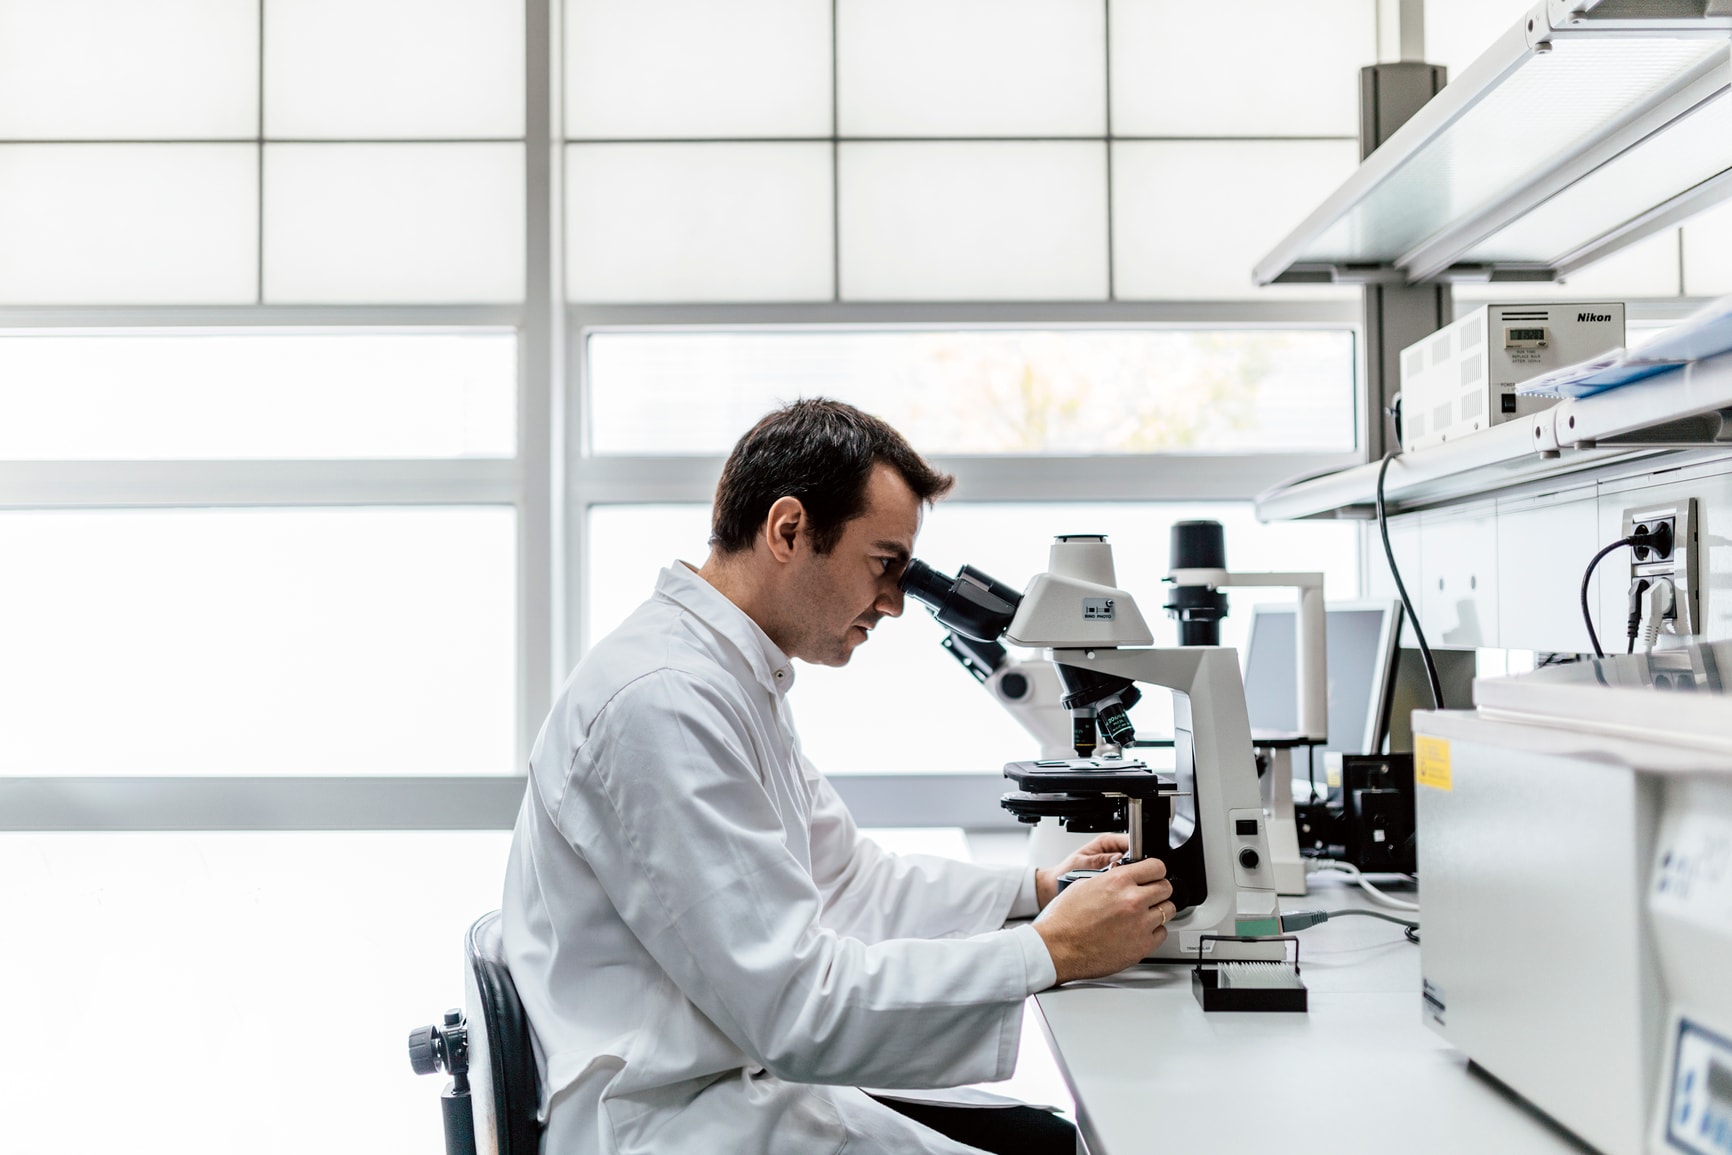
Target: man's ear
<point>782,527</point>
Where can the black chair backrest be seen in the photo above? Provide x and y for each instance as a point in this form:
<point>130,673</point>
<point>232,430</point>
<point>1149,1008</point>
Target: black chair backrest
<point>505,1089</point>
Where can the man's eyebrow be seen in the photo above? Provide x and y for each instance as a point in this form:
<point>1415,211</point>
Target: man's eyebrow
<point>895,548</point>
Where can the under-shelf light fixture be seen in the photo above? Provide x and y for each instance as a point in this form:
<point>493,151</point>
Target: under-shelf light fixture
<point>1586,126</point>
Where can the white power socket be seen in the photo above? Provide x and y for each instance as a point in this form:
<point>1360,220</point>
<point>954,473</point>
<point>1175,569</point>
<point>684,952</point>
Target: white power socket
<point>1681,565</point>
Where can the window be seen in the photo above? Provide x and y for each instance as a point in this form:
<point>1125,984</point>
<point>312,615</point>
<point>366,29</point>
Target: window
<point>1083,417</point>
<point>963,151</point>
<point>165,394</point>
<point>984,391</point>
<point>355,641</point>
<point>902,705</point>
<point>234,963</point>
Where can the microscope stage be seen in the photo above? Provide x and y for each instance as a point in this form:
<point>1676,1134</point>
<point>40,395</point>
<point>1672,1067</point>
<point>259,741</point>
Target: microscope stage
<point>1125,776</point>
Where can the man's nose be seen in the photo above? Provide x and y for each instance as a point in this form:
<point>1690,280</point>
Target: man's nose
<point>890,602</point>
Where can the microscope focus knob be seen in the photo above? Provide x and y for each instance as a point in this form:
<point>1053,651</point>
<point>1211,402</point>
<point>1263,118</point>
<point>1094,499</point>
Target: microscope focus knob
<point>1248,858</point>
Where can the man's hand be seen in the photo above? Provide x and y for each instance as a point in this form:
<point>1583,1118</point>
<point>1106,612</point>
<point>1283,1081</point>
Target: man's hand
<point>1102,852</point>
<point>1101,925</point>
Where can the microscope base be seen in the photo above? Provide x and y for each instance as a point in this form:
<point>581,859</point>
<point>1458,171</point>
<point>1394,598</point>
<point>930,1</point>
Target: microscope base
<point>1276,787</point>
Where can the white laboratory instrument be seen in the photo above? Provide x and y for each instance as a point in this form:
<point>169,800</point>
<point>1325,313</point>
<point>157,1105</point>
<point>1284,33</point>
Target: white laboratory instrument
<point>1462,379</point>
<point>1575,847</point>
<point>1199,558</point>
<point>1033,695</point>
<point>1205,819</point>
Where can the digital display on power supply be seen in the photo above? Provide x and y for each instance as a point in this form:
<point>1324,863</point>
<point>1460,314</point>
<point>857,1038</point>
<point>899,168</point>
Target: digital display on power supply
<point>1720,1083</point>
<point>1527,334</point>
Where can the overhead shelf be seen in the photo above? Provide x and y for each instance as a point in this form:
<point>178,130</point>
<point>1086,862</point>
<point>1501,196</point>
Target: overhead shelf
<point>1587,126</point>
<point>1685,408</point>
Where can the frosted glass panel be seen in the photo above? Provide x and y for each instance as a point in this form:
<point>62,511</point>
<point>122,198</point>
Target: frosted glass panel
<point>394,68</point>
<point>699,222</point>
<point>419,223</point>
<point>119,69</point>
<point>1648,268</point>
<point>902,673</point>
<point>1077,391</point>
<point>1708,252</point>
<point>169,395</point>
<point>696,68</point>
<point>246,641</point>
<point>971,68</point>
<point>1550,108</point>
<point>147,224</point>
<point>253,950</point>
<point>1272,68</point>
<point>1679,157</point>
<point>1191,218</point>
<point>974,221</point>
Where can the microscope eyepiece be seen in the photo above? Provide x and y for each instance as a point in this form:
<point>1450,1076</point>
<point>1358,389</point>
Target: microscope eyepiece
<point>972,603</point>
<point>1197,545</point>
<point>925,584</point>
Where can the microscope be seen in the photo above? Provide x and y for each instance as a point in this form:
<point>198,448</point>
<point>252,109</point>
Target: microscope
<point>1204,818</point>
<point>1199,574</point>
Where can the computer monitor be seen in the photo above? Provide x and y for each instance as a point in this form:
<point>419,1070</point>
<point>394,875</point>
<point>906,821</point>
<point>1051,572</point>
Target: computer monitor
<point>1361,639</point>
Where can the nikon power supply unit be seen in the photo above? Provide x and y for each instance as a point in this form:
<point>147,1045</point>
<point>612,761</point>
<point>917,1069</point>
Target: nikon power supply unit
<point>1463,378</point>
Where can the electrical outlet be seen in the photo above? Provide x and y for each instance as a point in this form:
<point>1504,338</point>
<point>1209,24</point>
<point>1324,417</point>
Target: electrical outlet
<point>1677,560</point>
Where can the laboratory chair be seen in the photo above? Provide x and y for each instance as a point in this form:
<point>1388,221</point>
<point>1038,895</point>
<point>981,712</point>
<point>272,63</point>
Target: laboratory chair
<point>490,1104</point>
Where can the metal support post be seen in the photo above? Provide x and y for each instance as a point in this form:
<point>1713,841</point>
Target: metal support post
<point>1395,314</point>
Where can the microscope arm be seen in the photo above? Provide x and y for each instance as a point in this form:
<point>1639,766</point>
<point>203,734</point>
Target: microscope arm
<point>1029,690</point>
<point>1311,646</point>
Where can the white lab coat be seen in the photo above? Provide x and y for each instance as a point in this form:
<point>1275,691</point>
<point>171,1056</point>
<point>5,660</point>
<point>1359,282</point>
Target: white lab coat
<point>711,958</point>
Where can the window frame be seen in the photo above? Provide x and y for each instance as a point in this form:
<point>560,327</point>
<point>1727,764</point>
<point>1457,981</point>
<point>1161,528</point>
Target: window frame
<point>550,483</point>
<point>938,799</point>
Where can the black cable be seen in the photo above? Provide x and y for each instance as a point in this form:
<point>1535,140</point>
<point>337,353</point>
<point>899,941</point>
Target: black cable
<point>1587,577</point>
<point>1637,588</point>
<point>1401,588</point>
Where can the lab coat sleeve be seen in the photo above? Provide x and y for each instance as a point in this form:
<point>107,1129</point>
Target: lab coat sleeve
<point>665,801</point>
<point>874,895</point>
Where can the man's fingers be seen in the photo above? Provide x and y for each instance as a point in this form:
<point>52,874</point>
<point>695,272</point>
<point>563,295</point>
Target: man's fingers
<point>1148,870</point>
<point>1159,894</point>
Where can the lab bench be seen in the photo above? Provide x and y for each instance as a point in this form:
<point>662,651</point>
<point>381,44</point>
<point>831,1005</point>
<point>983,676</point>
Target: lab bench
<point>1359,1072</point>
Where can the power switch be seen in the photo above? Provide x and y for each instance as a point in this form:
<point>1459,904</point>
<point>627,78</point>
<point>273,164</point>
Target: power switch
<point>1245,826</point>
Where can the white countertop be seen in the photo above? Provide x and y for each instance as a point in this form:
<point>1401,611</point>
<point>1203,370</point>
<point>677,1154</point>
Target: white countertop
<point>1152,1073</point>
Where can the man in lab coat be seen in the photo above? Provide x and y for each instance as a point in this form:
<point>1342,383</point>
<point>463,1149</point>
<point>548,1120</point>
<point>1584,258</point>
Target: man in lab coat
<point>712,959</point>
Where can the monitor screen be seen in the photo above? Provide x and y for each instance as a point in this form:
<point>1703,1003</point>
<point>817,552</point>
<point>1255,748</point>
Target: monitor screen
<point>1361,653</point>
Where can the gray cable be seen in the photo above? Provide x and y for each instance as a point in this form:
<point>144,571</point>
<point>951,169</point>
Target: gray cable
<point>1373,914</point>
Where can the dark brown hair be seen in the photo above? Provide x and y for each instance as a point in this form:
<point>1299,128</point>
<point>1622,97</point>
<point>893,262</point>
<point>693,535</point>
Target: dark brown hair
<point>822,452</point>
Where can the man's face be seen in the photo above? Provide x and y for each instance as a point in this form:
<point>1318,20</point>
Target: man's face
<point>836,598</point>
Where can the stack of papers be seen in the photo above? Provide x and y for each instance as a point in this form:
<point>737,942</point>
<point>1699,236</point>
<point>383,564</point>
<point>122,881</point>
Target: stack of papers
<point>1705,333</point>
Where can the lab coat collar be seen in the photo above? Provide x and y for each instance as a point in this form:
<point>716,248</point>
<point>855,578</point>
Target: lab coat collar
<point>681,583</point>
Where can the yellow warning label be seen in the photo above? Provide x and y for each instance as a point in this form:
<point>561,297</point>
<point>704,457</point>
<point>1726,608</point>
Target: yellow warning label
<point>1431,762</point>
